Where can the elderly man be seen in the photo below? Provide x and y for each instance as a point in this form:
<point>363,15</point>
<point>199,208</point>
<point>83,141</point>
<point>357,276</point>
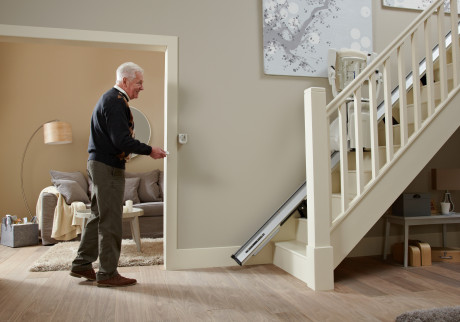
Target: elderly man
<point>111,142</point>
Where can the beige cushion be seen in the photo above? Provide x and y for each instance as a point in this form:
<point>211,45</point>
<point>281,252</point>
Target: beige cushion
<point>131,186</point>
<point>149,190</point>
<point>75,176</point>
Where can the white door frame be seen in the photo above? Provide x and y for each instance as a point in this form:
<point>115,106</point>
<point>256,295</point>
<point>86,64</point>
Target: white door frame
<point>166,44</point>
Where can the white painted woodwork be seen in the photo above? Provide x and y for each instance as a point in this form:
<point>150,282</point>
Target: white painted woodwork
<point>415,83</point>
<point>388,111</point>
<point>454,40</point>
<point>429,66</point>
<point>343,154</point>
<point>402,98</point>
<point>442,53</point>
<point>375,159</point>
<point>320,272</point>
<point>358,140</point>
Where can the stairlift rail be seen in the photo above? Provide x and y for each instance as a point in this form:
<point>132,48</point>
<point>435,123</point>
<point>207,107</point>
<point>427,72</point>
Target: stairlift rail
<point>271,227</point>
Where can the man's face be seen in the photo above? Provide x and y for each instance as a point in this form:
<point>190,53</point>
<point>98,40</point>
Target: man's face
<point>134,86</point>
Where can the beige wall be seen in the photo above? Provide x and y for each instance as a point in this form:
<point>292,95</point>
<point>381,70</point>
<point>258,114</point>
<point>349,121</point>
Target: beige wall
<point>43,82</point>
<point>245,154</point>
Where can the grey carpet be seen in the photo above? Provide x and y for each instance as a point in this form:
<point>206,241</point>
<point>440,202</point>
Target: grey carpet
<point>443,314</point>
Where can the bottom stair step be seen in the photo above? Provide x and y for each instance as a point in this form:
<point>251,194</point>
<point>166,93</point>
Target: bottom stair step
<point>291,256</point>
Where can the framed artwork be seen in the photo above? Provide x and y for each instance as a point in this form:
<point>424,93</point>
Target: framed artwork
<point>415,4</point>
<point>297,34</point>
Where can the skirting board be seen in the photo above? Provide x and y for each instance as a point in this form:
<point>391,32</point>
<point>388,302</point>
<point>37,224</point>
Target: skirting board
<point>220,256</point>
<point>212,257</point>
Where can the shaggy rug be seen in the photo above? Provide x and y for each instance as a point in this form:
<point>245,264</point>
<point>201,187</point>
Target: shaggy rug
<point>445,314</point>
<point>60,256</point>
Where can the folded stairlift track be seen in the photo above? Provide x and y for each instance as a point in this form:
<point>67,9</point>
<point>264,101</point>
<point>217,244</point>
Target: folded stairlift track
<point>271,227</point>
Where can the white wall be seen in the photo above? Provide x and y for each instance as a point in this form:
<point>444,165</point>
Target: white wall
<point>245,154</point>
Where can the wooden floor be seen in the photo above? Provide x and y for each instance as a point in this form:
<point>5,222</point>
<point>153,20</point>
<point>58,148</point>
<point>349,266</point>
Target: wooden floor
<point>366,289</point>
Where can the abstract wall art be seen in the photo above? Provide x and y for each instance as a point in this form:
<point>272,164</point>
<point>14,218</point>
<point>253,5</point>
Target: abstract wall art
<point>297,34</point>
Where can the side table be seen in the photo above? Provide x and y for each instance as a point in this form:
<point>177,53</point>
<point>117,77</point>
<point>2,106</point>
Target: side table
<point>131,216</point>
<point>406,222</point>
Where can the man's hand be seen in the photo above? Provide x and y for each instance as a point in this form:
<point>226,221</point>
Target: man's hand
<point>157,153</point>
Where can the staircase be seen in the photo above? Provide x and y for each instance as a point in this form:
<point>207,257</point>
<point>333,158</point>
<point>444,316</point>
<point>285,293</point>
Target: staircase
<point>343,204</point>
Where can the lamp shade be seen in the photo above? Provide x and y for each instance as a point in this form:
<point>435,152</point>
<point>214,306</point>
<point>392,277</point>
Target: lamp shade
<point>57,132</point>
<point>445,179</point>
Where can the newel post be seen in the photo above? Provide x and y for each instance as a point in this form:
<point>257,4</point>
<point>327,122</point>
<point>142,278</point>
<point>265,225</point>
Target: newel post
<point>318,169</point>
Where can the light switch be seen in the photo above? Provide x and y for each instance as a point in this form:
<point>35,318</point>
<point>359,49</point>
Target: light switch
<point>182,137</point>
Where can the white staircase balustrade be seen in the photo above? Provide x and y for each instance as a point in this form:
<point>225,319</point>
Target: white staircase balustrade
<point>332,236</point>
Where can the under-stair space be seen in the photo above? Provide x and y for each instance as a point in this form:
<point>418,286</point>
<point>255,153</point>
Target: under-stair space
<point>347,198</point>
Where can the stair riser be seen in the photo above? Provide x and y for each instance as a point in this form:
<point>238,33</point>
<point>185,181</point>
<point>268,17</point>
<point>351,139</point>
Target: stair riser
<point>302,230</point>
<point>290,262</point>
<point>352,186</point>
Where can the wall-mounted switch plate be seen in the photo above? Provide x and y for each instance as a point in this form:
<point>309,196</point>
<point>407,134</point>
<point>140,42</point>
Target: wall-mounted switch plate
<point>182,137</point>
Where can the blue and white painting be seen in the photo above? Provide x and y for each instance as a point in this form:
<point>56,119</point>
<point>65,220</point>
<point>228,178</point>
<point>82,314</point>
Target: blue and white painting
<point>297,34</point>
<point>415,4</point>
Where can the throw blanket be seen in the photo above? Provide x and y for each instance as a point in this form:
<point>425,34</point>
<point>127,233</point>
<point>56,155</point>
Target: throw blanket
<point>66,225</point>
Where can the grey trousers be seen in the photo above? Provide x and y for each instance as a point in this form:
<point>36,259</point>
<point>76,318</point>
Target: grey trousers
<point>102,236</point>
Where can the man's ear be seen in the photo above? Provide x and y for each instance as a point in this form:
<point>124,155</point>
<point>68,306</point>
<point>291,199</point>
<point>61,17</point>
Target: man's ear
<point>124,83</point>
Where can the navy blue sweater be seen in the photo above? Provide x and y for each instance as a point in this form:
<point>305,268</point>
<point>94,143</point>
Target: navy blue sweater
<point>110,140</point>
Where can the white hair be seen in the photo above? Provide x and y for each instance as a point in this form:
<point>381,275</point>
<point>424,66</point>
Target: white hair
<point>128,70</point>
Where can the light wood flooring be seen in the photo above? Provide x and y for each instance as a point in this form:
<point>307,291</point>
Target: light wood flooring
<point>366,289</point>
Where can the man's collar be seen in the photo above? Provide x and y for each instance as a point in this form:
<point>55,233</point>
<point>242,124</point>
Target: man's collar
<point>122,91</point>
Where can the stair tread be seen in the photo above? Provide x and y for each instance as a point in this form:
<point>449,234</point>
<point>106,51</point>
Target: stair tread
<point>339,195</point>
<point>294,246</point>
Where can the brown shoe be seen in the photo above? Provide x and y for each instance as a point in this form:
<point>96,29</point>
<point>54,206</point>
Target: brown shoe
<point>115,281</point>
<point>89,274</point>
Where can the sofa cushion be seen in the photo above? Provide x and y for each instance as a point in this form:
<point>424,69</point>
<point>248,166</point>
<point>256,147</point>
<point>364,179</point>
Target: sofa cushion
<point>75,176</point>
<point>131,187</point>
<point>151,209</point>
<point>149,190</point>
<point>71,191</point>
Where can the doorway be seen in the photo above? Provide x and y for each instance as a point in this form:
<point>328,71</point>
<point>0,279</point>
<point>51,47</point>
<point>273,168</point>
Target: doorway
<point>167,45</point>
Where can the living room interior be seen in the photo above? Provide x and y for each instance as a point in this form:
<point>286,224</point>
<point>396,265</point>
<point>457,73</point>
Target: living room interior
<point>245,132</point>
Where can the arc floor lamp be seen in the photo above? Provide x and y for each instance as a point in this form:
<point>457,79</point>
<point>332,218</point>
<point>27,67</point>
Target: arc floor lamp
<point>54,132</point>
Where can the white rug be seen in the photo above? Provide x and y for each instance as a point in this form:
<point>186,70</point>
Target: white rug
<point>60,256</point>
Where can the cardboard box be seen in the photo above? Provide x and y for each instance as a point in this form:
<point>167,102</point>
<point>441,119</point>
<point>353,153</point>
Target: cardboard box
<point>18,235</point>
<point>445,254</point>
<point>412,205</point>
